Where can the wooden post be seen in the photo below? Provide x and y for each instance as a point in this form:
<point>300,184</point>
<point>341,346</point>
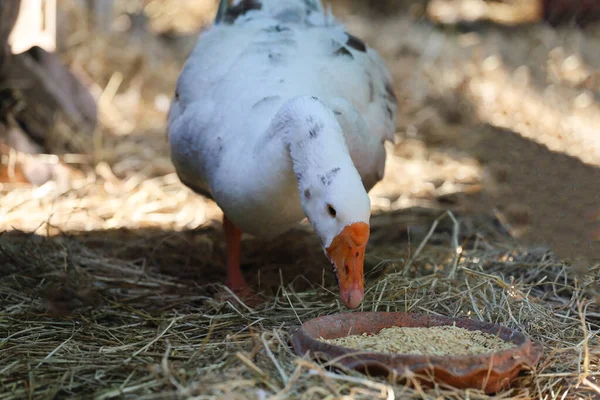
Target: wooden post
<point>35,26</point>
<point>37,89</point>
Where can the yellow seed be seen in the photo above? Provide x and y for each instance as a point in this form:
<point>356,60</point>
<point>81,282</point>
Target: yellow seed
<point>439,341</point>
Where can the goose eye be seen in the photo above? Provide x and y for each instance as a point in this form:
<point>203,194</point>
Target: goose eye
<point>331,210</point>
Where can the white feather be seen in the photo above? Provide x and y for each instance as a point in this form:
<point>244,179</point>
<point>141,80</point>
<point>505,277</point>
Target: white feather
<point>244,99</point>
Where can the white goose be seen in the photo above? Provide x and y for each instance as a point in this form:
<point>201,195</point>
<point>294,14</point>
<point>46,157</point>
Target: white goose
<point>280,114</point>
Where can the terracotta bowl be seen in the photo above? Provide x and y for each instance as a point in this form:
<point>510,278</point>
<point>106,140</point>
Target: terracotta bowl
<point>489,372</point>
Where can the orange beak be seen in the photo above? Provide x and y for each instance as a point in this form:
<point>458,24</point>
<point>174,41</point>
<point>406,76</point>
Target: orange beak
<point>347,254</point>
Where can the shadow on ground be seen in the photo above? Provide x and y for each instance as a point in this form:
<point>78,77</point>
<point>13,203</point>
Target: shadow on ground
<point>546,198</point>
<point>71,272</point>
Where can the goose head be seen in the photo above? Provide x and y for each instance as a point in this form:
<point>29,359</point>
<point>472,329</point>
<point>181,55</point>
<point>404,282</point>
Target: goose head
<point>331,191</point>
<point>339,214</point>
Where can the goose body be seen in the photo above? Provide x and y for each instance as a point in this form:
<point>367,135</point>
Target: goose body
<point>280,114</point>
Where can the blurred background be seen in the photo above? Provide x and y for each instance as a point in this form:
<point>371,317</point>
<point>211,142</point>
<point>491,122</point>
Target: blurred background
<point>498,113</point>
<point>109,266</point>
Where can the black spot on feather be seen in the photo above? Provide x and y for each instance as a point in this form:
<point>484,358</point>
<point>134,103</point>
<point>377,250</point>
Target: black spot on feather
<point>329,176</point>
<point>298,176</point>
<point>310,5</point>
<point>389,111</point>
<point>371,88</point>
<point>343,52</point>
<point>314,127</point>
<point>389,89</point>
<point>336,112</point>
<point>275,57</point>
<point>264,101</point>
<point>307,193</point>
<point>277,28</point>
<point>356,43</point>
<point>240,9</point>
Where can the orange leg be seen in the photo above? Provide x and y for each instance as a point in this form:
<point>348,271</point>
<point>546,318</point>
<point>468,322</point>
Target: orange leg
<point>235,279</point>
<point>233,235</point>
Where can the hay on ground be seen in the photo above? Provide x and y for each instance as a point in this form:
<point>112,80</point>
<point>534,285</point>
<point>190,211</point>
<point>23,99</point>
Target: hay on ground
<point>106,314</point>
<point>108,283</point>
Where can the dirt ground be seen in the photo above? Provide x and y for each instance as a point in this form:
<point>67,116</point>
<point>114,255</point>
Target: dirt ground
<point>521,104</point>
<point>109,277</point>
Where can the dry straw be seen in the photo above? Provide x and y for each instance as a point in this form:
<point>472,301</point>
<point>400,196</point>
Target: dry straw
<point>104,288</point>
<point>105,314</point>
